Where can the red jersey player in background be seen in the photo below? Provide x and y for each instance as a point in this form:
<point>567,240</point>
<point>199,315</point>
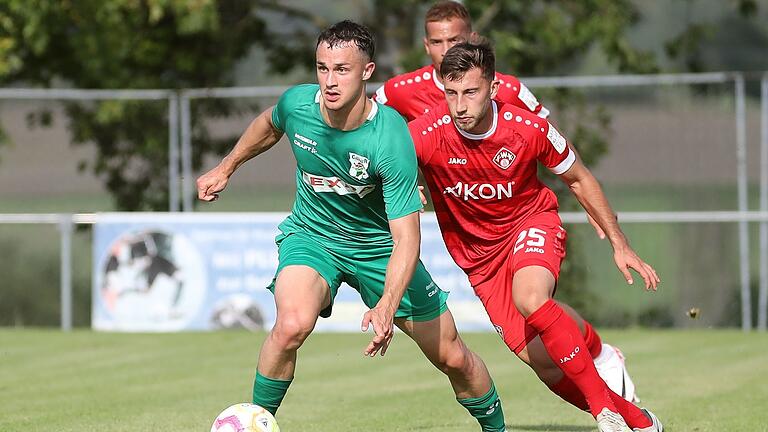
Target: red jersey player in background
<point>412,94</point>
<point>501,225</point>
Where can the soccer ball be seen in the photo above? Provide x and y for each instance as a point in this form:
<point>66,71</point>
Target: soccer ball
<point>245,417</point>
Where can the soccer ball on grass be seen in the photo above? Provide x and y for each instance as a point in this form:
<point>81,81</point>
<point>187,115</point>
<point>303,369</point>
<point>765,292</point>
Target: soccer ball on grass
<point>245,417</point>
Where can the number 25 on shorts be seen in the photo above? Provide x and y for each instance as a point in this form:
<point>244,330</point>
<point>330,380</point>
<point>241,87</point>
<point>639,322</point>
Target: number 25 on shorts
<point>535,238</point>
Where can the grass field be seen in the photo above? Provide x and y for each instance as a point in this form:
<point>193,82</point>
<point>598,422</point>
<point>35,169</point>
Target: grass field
<point>696,381</point>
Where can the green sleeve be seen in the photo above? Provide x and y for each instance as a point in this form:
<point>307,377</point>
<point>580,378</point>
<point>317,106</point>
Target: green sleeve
<point>398,170</point>
<point>292,98</point>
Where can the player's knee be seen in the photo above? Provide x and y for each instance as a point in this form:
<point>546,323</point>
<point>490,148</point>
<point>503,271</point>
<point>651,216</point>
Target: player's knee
<point>290,332</point>
<point>529,301</point>
<point>457,360</point>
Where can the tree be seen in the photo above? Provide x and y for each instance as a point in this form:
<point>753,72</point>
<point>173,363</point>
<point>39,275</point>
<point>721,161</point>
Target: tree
<point>131,44</point>
<point>734,40</point>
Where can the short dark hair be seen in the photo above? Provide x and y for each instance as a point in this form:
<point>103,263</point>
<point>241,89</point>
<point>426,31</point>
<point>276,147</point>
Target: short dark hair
<point>464,56</point>
<point>446,10</point>
<point>349,31</point>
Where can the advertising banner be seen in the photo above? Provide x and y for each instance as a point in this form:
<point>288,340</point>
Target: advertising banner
<point>198,271</point>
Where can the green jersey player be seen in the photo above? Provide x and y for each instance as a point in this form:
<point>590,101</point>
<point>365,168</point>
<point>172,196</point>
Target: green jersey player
<point>355,220</point>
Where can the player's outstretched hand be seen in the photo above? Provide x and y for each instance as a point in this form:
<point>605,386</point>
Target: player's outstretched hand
<point>210,184</point>
<point>382,321</point>
<point>626,259</point>
<point>423,198</point>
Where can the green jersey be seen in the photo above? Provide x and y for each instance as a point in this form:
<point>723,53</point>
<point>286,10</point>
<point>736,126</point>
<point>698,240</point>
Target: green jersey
<point>349,184</point>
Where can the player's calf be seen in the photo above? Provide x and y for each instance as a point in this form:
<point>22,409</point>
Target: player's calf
<point>536,357</point>
<point>473,374</point>
<point>469,377</point>
<point>566,347</point>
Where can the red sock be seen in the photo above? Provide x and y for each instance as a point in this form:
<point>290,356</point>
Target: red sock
<point>565,345</point>
<point>631,413</point>
<point>568,391</point>
<point>594,343</point>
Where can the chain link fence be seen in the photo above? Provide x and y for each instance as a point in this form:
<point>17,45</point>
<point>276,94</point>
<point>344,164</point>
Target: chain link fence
<point>686,168</point>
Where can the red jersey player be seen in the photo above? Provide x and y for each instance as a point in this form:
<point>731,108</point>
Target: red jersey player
<point>501,226</point>
<point>448,23</point>
<point>414,93</point>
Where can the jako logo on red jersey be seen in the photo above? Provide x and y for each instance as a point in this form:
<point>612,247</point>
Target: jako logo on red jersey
<point>504,158</point>
<point>476,191</point>
<point>570,357</point>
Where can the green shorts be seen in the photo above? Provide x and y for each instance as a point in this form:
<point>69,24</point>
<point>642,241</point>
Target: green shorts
<point>365,272</point>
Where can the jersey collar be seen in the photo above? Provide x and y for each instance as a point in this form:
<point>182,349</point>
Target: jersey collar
<point>374,110</point>
<point>437,82</point>
<point>371,115</point>
<point>485,135</point>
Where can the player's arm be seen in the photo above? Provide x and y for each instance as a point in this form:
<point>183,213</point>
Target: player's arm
<point>388,95</point>
<point>397,168</point>
<point>515,92</point>
<point>596,226</point>
<point>259,137</point>
<point>381,95</point>
<point>587,190</point>
<point>406,235</point>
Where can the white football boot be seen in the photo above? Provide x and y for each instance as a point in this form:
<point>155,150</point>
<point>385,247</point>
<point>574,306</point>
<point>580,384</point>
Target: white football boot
<point>655,427</point>
<point>610,365</point>
<point>609,421</point>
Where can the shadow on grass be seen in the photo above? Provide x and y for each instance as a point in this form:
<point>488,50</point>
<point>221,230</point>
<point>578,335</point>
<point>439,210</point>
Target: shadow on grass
<point>550,428</point>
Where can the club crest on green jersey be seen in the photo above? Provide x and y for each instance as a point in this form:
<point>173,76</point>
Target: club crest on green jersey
<point>358,166</point>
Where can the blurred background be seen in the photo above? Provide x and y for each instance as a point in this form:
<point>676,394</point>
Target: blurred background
<point>665,100</point>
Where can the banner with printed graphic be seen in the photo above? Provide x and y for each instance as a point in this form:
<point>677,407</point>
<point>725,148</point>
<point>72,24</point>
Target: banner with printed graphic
<point>171,272</point>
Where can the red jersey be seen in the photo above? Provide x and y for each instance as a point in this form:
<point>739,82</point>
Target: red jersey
<point>484,187</point>
<point>415,93</point>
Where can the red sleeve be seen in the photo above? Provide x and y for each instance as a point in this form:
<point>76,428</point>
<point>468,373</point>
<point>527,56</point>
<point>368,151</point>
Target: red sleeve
<point>514,92</point>
<point>388,95</point>
<point>425,137</point>
<point>554,151</point>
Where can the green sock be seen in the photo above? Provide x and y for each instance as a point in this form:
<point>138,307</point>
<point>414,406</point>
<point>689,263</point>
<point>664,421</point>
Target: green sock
<point>268,393</point>
<point>487,410</point>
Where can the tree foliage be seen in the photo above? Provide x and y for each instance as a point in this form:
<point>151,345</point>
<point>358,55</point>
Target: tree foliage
<point>130,44</point>
<point>734,40</point>
<point>117,44</point>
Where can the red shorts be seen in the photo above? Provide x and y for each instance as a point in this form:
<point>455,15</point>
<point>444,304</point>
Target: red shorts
<point>539,242</point>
